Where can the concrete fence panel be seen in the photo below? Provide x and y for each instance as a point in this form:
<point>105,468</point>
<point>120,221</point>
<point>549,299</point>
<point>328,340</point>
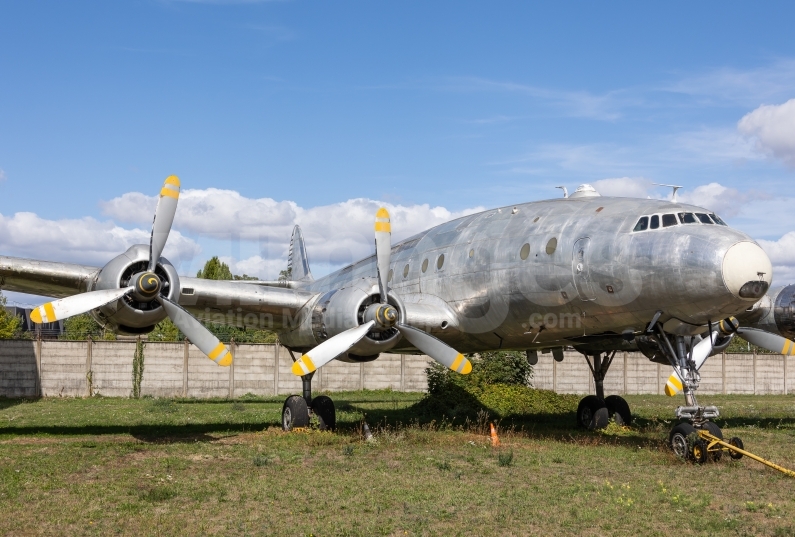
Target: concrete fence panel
<point>81,368</point>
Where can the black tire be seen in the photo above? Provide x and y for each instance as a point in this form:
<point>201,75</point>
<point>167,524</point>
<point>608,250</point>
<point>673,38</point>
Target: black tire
<point>736,442</point>
<point>587,413</point>
<point>295,413</point>
<point>618,409</point>
<point>323,407</point>
<point>714,430</point>
<point>679,439</point>
<point>699,451</point>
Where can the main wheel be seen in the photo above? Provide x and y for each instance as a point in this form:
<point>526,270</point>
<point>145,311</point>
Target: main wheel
<point>592,413</point>
<point>714,430</point>
<point>295,413</point>
<point>736,442</point>
<point>618,409</point>
<point>323,407</point>
<point>678,439</point>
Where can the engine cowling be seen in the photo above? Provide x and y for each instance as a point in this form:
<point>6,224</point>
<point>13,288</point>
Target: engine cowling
<point>341,309</point>
<point>127,315</point>
<point>775,312</point>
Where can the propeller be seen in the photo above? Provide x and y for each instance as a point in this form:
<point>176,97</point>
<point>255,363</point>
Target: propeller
<point>383,315</point>
<point>767,340</point>
<point>145,286</point>
<point>755,336</point>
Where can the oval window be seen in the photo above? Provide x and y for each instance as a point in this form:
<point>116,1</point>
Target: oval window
<point>472,253</point>
<point>552,245</point>
<point>525,251</point>
<point>440,262</point>
<point>391,273</point>
<point>406,271</point>
<point>424,265</point>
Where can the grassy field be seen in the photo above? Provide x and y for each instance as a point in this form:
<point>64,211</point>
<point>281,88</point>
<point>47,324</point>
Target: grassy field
<point>184,467</point>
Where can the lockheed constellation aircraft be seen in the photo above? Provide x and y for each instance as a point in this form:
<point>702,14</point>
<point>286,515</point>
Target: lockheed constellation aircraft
<point>600,274</point>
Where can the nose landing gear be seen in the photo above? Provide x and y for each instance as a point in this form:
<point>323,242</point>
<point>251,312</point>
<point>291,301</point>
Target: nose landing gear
<point>299,409</point>
<point>595,411</point>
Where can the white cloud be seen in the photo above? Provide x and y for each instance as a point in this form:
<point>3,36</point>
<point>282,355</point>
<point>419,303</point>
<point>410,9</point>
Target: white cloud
<point>772,127</point>
<point>625,187</point>
<point>3,176</point>
<point>335,234</point>
<point>782,255</point>
<point>83,241</point>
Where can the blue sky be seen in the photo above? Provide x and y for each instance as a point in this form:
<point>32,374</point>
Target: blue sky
<point>435,107</point>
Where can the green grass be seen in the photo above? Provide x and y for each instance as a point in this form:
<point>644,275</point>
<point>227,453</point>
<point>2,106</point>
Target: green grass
<point>104,466</point>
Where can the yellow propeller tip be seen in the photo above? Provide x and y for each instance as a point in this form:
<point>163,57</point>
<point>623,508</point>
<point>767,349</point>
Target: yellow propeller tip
<point>226,361</point>
<point>467,368</point>
<point>382,213</point>
<point>172,180</point>
<point>35,316</point>
<point>669,392</point>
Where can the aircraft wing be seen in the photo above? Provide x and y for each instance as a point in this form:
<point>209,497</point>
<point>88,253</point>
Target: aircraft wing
<point>46,278</point>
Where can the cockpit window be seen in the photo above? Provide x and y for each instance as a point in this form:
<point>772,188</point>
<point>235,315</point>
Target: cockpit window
<point>687,218</point>
<point>717,219</point>
<point>704,218</point>
<point>643,224</point>
<point>655,222</point>
<point>669,220</point>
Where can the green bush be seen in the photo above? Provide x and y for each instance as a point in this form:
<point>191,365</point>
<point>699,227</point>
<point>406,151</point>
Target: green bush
<point>499,384</point>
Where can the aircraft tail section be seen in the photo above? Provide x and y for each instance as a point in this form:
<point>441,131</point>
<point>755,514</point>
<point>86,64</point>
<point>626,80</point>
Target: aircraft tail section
<point>298,261</point>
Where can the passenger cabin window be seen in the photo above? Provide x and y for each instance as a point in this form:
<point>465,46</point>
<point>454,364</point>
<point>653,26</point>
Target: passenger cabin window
<point>643,224</point>
<point>687,218</point>
<point>669,220</point>
<point>704,218</point>
<point>655,222</point>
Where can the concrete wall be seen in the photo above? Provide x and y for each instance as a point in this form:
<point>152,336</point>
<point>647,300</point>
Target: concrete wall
<point>78,368</point>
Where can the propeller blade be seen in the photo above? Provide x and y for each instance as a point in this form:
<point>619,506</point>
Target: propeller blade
<point>436,349</point>
<point>767,340</point>
<point>383,249</point>
<point>164,217</point>
<point>197,333</point>
<point>701,352</point>
<point>330,349</point>
<point>75,305</point>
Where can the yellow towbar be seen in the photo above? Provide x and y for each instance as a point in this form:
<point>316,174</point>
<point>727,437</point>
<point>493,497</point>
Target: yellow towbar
<point>709,444</point>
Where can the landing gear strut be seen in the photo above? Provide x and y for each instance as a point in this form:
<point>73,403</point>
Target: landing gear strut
<point>595,411</point>
<point>683,438</point>
<point>298,409</point>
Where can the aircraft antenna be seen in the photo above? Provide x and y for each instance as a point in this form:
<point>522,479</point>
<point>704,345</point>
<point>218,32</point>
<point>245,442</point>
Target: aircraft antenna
<point>674,187</point>
<point>565,192</point>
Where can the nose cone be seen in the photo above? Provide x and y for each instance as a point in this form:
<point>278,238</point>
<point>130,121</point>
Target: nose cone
<point>747,271</point>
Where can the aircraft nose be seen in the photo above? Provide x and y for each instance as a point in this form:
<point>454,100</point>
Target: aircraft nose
<point>747,271</point>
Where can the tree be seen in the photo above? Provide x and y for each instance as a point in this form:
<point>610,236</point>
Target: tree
<point>166,330</point>
<point>286,274</point>
<point>9,324</point>
<point>83,326</point>
<point>215,269</point>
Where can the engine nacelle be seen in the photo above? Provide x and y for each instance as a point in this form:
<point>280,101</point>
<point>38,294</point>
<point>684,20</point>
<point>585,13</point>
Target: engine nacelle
<point>341,309</point>
<point>775,312</point>
<point>126,315</point>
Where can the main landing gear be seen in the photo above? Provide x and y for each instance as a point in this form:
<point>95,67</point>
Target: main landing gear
<point>298,409</point>
<point>595,411</point>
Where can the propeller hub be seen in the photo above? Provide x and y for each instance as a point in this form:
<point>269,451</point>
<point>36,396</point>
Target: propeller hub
<point>384,315</point>
<point>147,286</point>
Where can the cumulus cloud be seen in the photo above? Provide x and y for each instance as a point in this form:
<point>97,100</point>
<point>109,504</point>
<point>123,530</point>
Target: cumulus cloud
<point>772,127</point>
<point>728,202</point>
<point>625,187</point>
<point>83,241</point>
<point>335,234</point>
<point>782,255</point>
